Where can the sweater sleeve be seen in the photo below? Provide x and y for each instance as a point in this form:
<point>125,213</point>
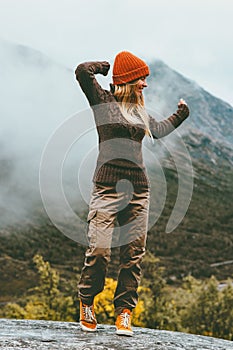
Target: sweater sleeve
<point>165,127</point>
<point>85,74</point>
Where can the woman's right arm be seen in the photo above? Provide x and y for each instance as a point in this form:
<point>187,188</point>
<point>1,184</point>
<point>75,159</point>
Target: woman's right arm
<point>85,74</point>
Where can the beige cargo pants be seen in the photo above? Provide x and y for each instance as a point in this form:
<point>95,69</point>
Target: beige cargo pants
<point>118,216</point>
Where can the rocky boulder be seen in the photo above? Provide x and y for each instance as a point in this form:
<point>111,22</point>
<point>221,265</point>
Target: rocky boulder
<point>44,335</point>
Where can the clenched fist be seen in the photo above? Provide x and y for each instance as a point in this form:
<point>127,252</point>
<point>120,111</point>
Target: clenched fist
<point>104,68</point>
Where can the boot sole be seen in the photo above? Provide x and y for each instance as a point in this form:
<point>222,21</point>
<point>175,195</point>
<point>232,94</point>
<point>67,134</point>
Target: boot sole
<point>124,332</point>
<point>86,329</point>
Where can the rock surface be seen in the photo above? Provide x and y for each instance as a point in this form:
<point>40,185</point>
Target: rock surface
<point>41,335</point>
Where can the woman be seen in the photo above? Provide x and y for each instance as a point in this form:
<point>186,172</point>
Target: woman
<point>121,187</point>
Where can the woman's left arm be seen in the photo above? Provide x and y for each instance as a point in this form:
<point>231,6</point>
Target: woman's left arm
<point>165,127</point>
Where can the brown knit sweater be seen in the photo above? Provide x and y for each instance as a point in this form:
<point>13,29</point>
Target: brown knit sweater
<point>120,143</point>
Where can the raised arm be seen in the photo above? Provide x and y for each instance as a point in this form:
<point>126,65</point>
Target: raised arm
<point>85,74</point>
<point>165,127</point>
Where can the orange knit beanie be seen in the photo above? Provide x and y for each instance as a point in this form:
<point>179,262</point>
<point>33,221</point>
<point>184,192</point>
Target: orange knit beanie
<point>128,67</point>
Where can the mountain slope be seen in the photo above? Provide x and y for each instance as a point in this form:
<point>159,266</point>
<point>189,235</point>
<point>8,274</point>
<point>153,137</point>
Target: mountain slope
<point>209,115</point>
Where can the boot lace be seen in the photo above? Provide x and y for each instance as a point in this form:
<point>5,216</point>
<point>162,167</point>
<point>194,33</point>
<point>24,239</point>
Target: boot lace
<point>88,313</point>
<point>125,319</point>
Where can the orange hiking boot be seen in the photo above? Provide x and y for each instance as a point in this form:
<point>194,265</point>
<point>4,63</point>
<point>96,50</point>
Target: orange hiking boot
<point>87,318</point>
<point>123,323</point>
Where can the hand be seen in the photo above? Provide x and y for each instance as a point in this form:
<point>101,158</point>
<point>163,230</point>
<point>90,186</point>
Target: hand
<point>105,68</point>
<point>183,108</point>
<point>182,102</point>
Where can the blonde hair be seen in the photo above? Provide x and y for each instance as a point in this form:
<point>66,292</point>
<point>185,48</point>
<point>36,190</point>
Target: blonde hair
<point>132,104</point>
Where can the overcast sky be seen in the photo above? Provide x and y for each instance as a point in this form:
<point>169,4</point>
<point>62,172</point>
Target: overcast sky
<point>193,37</point>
